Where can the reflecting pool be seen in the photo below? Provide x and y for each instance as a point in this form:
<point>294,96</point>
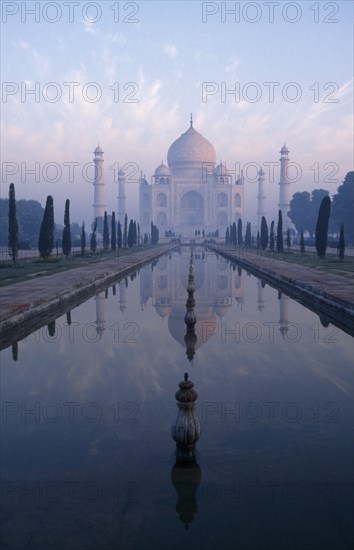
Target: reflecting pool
<point>87,456</point>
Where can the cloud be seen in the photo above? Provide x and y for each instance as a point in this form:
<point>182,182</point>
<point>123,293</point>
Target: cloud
<point>89,27</point>
<point>171,51</point>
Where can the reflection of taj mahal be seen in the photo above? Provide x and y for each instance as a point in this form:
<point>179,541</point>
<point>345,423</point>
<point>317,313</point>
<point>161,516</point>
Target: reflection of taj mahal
<point>217,287</point>
<point>192,192</point>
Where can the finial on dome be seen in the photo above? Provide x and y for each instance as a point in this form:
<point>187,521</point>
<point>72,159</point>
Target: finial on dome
<point>191,121</point>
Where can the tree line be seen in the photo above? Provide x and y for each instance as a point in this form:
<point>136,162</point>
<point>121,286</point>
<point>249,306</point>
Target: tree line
<point>113,234</point>
<point>265,237</point>
<point>304,208</point>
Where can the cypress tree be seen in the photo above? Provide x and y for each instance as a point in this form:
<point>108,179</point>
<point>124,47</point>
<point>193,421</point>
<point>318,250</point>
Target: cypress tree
<point>322,226</point>
<point>280,242</point>
<point>131,234</point>
<point>288,240</point>
<point>341,244</point>
<point>120,240</point>
<point>113,232</point>
<point>13,225</point>
<point>258,240</point>
<point>93,242</point>
<point>105,232</point>
<point>125,233</point>
<point>264,233</point>
<point>234,234</point>
<point>227,236</point>
<point>135,233</point>
<point>302,242</point>
<point>66,240</point>
<point>139,235</point>
<point>239,232</point>
<point>271,237</point>
<point>248,234</point>
<point>46,232</point>
<point>83,239</point>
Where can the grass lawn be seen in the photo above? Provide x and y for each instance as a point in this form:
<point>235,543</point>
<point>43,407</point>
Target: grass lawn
<point>34,267</point>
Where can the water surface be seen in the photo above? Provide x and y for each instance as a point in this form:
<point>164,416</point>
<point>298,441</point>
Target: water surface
<point>87,456</point>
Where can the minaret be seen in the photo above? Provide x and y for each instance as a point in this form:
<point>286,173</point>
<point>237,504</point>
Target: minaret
<point>98,184</point>
<point>121,197</point>
<point>261,199</point>
<point>284,187</point>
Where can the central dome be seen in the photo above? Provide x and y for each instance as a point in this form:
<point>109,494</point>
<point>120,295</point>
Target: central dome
<point>190,148</point>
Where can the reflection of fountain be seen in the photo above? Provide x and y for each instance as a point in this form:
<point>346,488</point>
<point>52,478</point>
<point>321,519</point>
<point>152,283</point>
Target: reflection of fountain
<point>186,479</point>
<point>190,319</point>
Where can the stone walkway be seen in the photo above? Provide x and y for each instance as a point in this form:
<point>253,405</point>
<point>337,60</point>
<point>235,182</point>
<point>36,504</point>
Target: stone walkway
<point>21,300</point>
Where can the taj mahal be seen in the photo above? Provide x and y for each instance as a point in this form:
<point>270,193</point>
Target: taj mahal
<point>192,192</point>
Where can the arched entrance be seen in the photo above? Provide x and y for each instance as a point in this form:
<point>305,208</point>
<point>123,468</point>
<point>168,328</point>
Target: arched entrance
<point>192,210</point>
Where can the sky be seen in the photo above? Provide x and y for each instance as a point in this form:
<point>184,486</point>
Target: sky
<point>127,75</point>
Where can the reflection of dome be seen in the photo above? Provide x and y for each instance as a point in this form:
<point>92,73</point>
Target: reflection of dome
<point>162,170</point>
<point>163,310</point>
<point>205,320</point>
<point>220,310</point>
<point>191,147</point>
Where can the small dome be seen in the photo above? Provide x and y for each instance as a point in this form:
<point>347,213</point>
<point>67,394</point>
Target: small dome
<point>191,147</point>
<point>121,172</point>
<point>220,170</point>
<point>162,170</point>
<point>98,150</point>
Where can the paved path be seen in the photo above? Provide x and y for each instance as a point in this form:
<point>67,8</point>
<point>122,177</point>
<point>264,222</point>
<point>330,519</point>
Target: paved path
<point>21,300</point>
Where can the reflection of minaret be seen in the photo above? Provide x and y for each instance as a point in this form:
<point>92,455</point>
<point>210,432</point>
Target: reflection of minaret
<point>98,184</point>
<point>261,199</point>
<point>260,300</point>
<point>122,295</point>
<point>121,197</point>
<point>284,187</point>
<point>283,314</point>
<point>100,313</point>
